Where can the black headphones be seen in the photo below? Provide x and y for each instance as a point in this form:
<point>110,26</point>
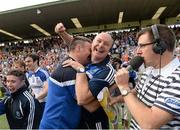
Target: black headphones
<point>159,46</point>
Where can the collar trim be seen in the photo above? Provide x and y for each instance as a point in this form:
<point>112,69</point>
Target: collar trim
<point>166,70</point>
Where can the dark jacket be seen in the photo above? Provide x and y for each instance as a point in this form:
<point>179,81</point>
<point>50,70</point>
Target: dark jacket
<point>22,110</point>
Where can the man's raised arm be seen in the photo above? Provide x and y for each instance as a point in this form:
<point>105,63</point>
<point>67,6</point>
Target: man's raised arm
<point>61,31</point>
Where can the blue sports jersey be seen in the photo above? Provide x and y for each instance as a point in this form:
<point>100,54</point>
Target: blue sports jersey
<point>61,110</point>
<point>36,80</point>
<point>40,74</point>
<point>100,75</point>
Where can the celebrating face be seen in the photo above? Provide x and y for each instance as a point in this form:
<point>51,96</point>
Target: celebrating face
<point>30,64</point>
<point>13,83</point>
<point>100,47</point>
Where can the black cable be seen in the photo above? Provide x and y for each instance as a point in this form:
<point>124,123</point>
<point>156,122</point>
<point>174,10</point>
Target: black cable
<point>159,75</point>
<point>142,95</point>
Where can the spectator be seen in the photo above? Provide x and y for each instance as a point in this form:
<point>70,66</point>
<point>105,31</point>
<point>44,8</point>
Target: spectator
<point>22,110</point>
<point>37,78</point>
<point>62,110</point>
<point>99,75</point>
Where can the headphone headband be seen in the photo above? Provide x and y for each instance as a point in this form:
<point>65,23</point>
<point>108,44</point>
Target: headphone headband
<point>155,32</point>
<point>159,46</point>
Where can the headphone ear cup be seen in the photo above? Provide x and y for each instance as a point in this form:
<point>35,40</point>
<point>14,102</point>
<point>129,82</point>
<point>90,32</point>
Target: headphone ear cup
<point>159,47</point>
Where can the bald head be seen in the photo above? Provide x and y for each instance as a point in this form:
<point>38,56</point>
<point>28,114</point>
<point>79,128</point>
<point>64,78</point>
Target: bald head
<point>101,46</point>
<point>106,37</point>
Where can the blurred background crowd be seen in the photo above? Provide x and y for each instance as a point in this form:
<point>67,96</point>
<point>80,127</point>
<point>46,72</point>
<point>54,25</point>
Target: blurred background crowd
<point>52,50</point>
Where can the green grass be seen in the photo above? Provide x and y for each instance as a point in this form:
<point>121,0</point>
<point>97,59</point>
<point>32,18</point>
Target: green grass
<point>3,122</point>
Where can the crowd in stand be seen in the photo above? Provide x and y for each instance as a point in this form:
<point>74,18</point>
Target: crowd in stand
<point>51,50</point>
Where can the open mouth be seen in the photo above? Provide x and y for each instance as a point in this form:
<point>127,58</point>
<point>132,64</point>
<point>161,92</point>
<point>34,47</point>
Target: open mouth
<point>139,54</point>
<point>99,51</point>
<point>11,89</point>
<point>89,57</point>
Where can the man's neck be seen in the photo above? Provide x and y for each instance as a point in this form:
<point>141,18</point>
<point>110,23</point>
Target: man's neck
<point>73,56</point>
<point>35,68</point>
<point>96,61</point>
<point>163,60</point>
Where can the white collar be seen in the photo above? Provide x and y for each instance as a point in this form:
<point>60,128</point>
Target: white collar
<point>166,70</point>
<point>36,70</point>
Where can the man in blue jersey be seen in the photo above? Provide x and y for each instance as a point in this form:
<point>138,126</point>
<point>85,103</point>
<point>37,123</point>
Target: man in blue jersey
<point>37,78</point>
<point>155,103</point>
<point>61,110</point>
<point>90,80</point>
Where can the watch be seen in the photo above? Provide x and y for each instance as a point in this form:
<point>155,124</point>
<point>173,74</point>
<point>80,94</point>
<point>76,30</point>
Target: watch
<point>81,70</point>
<point>125,92</point>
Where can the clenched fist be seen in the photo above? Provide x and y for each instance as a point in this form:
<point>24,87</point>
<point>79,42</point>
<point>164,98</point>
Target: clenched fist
<point>59,28</point>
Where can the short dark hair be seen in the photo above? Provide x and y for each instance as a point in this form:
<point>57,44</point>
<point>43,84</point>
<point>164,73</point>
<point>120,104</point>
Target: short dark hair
<point>165,34</point>
<point>18,73</point>
<point>78,40</point>
<point>34,57</point>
